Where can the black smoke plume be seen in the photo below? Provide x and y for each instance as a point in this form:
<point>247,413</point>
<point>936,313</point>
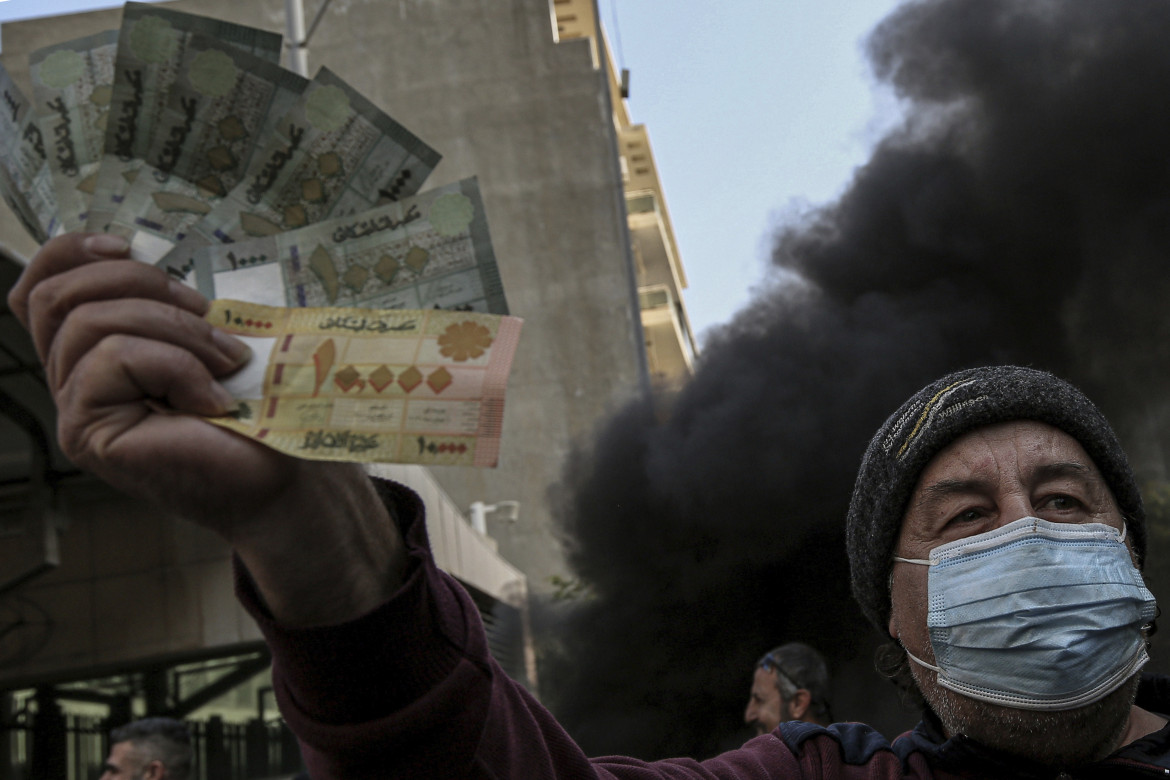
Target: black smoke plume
<point>1020,213</point>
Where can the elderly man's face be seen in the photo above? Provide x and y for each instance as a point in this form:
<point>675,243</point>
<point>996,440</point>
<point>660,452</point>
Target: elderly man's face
<point>987,478</point>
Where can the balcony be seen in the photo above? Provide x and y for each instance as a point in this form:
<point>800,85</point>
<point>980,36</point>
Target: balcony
<point>668,346</point>
<point>573,20</point>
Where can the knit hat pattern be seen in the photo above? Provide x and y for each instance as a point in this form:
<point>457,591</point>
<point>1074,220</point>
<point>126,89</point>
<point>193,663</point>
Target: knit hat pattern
<point>933,418</point>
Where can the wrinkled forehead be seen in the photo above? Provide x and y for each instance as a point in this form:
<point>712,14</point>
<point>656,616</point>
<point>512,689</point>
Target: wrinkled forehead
<point>1018,444</point>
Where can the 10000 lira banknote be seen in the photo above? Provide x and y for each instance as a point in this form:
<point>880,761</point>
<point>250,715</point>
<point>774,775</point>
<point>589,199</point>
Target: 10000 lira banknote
<point>151,45</point>
<point>72,84</point>
<point>220,110</point>
<point>408,386</point>
<point>25,181</point>
<point>428,250</point>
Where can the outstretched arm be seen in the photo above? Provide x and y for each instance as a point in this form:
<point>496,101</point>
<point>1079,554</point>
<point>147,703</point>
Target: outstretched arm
<point>124,348</point>
<point>383,673</point>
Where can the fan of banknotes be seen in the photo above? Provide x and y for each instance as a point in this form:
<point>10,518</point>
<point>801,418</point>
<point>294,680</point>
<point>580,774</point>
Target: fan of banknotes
<point>375,311</point>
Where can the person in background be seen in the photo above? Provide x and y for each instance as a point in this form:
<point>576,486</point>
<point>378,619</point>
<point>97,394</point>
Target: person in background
<point>149,749</point>
<point>791,682</point>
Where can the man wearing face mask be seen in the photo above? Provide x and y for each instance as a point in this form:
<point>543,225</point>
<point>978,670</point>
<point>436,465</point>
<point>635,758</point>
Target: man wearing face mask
<point>992,534</point>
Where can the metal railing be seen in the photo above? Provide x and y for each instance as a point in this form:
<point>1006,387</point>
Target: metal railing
<point>75,748</point>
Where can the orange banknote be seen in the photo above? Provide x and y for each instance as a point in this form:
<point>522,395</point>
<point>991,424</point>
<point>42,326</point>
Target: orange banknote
<point>370,385</point>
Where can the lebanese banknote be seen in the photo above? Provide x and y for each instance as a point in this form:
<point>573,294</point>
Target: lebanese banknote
<point>408,386</point>
<point>25,181</point>
<point>334,153</point>
<point>151,45</point>
<point>72,85</point>
<point>429,250</point>
<point>220,109</point>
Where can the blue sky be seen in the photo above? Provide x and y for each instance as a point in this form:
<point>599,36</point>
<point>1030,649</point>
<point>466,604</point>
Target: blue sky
<point>28,9</point>
<point>756,109</point>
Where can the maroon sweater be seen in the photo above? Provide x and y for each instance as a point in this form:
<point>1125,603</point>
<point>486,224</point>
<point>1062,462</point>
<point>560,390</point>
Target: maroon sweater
<point>410,691</point>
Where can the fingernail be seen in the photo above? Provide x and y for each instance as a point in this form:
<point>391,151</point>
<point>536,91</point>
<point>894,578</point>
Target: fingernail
<point>222,397</point>
<point>237,351</point>
<point>106,245</point>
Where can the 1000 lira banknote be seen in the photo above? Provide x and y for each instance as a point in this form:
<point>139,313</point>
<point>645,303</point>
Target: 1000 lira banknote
<point>151,45</point>
<point>220,110</point>
<point>25,181</point>
<point>408,386</point>
<point>73,84</point>
<point>428,250</point>
<point>334,153</point>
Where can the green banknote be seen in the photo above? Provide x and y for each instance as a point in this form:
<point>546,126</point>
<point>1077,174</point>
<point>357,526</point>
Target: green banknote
<point>334,153</point>
<point>430,250</point>
<point>152,43</point>
<point>220,110</point>
<point>72,84</point>
<point>25,181</point>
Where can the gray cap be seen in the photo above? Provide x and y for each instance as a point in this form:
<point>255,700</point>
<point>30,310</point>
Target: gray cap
<point>937,415</point>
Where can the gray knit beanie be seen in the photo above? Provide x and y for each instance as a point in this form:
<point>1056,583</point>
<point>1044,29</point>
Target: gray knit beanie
<point>937,415</point>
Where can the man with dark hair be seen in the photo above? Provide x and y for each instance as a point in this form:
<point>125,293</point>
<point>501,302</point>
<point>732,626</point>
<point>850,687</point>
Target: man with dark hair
<point>790,682</point>
<point>994,533</point>
<point>149,749</point>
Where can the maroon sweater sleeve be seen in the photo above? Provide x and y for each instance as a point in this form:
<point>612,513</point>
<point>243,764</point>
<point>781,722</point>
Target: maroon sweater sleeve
<point>410,690</point>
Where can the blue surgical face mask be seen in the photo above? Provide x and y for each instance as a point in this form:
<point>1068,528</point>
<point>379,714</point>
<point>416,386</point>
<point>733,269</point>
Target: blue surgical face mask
<point>1036,615</point>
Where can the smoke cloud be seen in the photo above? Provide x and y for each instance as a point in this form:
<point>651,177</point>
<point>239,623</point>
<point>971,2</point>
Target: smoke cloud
<point>1020,213</point>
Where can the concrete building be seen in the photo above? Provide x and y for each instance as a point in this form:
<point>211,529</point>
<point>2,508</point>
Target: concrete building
<point>669,341</point>
<point>522,94</point>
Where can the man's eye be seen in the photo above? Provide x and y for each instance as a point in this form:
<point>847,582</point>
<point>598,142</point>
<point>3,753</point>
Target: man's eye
<point>1060,502</point>
<point>967,516</point>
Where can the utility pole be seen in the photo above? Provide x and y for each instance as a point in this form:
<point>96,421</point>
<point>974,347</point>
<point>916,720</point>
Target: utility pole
<point>298,52</point>
<point>298,39</point>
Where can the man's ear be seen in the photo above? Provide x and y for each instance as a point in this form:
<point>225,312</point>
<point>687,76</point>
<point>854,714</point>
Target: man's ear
<point>799,703</point>
<point>154,771</point>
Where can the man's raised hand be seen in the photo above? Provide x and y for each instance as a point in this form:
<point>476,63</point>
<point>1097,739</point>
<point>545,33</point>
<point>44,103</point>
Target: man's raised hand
<point>130,360</point>
<point>122,344</point>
